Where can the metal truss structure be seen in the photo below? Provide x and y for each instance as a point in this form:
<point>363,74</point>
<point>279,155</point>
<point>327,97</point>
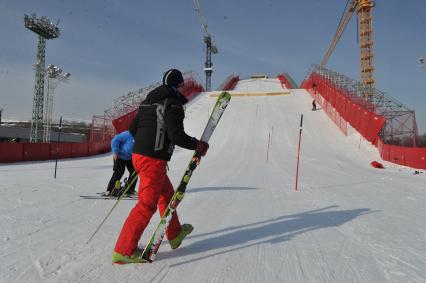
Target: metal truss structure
<point>128,103</point>
<point>101,129</point>
<point>400,127</point>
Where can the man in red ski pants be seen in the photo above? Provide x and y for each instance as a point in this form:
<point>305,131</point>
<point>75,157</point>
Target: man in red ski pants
<point>157,128</point>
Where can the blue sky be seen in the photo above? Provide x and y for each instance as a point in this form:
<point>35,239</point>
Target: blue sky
<point>111,47</point>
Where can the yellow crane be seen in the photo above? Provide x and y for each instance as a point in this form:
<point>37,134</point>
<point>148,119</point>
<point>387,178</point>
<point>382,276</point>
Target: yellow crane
<point>363,8</point>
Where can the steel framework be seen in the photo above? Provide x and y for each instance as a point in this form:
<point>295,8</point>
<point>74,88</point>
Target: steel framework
<point>400,127</point>
<point>101,129</point>
<point>45,30</point>
<point>129,102</point>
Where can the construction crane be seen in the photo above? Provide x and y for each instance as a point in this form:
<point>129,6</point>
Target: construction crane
<point>210,48</point>
<point>363,8</point>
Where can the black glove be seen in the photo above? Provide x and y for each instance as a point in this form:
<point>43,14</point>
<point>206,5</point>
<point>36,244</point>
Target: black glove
<point>202,147</point>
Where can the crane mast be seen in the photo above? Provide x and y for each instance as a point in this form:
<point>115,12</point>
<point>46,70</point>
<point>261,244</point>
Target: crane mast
<point>210,48</point>
<point>366,47</point>
<point>363,8</point>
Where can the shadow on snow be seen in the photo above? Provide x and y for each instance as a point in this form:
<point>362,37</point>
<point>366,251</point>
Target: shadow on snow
<point>209,189</point>
<point>271,231</point>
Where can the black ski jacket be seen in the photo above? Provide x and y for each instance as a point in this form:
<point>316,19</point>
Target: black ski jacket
<point>158,125</point>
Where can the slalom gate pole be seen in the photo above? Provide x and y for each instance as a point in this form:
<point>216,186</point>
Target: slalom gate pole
<point>57,145</point>
<point>133,177</point>
<point>298,153</point>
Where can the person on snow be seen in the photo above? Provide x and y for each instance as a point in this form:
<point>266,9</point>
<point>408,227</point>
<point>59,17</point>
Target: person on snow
<point>314,105</point>
<point>157,128</point>
<point>121,146</point>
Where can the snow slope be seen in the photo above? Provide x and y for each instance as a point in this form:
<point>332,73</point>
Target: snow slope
<point>348,222</point>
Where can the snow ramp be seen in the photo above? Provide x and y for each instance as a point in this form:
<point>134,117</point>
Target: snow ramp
<point>349,222</point>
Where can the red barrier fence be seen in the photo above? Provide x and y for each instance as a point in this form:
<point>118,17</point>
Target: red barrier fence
<point>366,122</point>
<point>229,83</point>
<point>16,152</point>
<point>285,81</point>
<point>408,156</point>
<point>122,123</point>
<point>361,116</point>
<point>332,113</point>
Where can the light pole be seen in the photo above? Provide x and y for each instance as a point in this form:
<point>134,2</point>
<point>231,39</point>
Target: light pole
<point>45,29</point>
<point>54,77</point>
<point>1,111</point>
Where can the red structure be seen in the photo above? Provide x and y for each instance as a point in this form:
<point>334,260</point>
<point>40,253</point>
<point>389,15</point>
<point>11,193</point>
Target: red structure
<point>382,120</point>
<point>229,83</point>
<point>286,80</point>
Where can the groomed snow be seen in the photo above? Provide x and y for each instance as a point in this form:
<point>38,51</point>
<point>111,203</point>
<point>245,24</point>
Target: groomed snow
<point>348,222</point>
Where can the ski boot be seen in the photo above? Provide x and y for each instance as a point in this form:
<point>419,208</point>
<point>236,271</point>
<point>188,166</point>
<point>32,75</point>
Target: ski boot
<point>136,257</point>
<point>117,190</point>
<point>186,230</point>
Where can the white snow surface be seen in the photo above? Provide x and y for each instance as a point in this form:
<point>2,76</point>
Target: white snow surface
<point>348,222</point>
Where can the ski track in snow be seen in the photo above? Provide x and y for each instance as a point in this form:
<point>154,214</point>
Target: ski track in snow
<point>348,222</point>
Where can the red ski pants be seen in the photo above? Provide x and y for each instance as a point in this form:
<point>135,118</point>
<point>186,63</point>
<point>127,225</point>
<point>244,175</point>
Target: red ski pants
<point>155,190</point>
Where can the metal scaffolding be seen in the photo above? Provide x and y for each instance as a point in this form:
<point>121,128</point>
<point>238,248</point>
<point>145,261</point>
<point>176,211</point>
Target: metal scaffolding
<point>128,103</point>
<point>400,127</point>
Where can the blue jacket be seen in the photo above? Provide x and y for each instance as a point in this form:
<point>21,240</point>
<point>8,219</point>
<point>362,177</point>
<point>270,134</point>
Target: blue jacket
<point>122,145</point>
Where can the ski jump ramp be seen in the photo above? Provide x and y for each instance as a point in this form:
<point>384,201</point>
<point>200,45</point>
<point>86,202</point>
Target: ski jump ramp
<point>349,222</point>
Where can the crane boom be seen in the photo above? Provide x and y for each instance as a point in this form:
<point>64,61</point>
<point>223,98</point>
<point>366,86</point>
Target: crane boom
<point>363,8</point>
<point>200,16</point>
<point>340,29</point>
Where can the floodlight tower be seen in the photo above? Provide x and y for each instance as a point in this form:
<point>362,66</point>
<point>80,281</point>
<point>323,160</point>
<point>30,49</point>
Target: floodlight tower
<point>45,30</point>
<point>54,77</point>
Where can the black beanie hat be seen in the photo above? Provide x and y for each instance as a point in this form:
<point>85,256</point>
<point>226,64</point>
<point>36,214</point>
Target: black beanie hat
<point>172,77</point>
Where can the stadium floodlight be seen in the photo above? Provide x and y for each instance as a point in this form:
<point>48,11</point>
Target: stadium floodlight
<point>55,75</point>
<point>45,30</point>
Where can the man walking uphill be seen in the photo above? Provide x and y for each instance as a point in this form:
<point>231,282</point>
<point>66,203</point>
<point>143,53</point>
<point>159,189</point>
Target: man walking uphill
<point>157,128</point>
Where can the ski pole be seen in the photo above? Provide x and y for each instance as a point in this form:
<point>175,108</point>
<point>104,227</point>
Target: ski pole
<point>298,153</point>
<point>133,179</point>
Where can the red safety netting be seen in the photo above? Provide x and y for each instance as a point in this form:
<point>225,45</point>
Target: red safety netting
<point>345,108</point>
<point>341,104</point>
<point>229,83</point>
<point>286,81</point>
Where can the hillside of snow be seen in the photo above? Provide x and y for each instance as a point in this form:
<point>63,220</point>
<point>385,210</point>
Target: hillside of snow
<point>348,222</point>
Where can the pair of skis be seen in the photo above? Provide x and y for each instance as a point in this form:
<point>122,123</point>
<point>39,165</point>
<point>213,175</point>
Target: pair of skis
<point>151,249</point>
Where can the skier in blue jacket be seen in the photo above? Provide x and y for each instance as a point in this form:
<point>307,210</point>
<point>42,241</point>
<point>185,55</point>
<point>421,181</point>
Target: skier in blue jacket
<point>122,146</point>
